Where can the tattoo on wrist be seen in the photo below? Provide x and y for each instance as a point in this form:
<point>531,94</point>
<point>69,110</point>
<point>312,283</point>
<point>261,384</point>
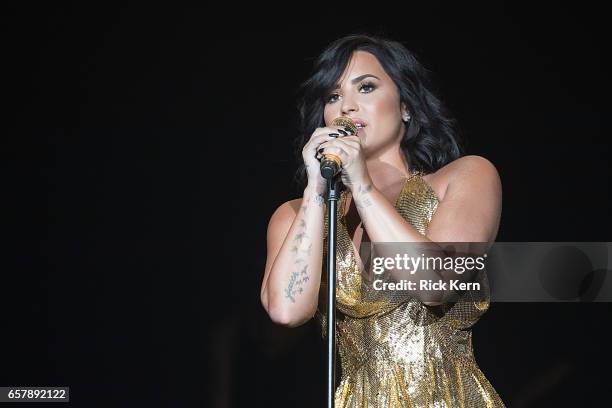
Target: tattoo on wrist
<point>365,189</point>
<point>363,193</point>
<point>319,199</point>
<point>364,203</point>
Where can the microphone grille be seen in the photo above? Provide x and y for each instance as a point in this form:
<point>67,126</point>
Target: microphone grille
<point>346,122</point>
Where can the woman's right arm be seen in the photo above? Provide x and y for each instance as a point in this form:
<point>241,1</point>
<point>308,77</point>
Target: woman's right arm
<point>290,288</point>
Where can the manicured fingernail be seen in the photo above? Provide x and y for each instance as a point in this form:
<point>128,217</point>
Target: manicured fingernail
<point>342,131</point>
<point>321,150</point>
<point>334,134</point>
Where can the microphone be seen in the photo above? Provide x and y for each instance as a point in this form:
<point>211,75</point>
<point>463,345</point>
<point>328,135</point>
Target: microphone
<point>331,163</point>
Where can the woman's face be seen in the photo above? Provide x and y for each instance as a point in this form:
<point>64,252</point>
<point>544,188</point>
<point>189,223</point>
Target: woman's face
<point>366,94</point>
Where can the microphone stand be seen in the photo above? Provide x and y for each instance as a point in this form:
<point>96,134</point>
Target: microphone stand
<point>330,168</point>
<point>332,209</point>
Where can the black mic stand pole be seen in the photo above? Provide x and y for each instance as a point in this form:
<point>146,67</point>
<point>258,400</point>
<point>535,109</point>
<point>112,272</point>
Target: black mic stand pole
<point>332,209</point>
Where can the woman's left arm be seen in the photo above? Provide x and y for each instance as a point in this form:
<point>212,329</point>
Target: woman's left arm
<point>469,212</point>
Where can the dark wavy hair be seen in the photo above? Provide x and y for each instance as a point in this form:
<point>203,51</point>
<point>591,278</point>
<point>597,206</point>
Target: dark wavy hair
<point>431,138</point>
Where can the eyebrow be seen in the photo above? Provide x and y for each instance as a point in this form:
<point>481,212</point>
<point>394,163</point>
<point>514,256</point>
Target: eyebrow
<point>359,78</point>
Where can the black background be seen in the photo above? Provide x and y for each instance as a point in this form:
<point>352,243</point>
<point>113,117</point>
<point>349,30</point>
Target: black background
<point>148,146</point>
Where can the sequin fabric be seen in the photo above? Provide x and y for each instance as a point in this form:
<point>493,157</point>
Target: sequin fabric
<point>402,353</point>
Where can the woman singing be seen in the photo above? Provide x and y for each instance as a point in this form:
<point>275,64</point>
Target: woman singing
<point>405,181</point>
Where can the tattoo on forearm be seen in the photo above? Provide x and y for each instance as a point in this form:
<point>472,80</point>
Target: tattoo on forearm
<point>365,189</point>
<point>365,202</point>
<point>364,196</point>
<point>307,250</point>
<point>296,283</point>
<point>295,286</point>
<point>301,236</point>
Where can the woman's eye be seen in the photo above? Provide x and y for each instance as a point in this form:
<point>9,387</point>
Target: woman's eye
<point>367,88</point>
<point>332,98</point>
<point>363,88</point>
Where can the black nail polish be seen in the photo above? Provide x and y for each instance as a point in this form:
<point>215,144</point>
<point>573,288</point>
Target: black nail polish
<point>343,132</point>
<point>334,134</point>
<point>321,150</point>
<point>348,129</point>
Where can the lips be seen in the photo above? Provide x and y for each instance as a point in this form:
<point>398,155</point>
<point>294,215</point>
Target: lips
<point>359,123</point>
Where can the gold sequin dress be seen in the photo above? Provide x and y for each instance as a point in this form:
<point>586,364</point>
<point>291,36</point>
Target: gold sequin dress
<point>403,353</point>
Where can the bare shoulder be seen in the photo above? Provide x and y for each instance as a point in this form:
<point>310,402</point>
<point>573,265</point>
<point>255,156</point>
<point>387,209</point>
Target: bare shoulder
<point>466,169</point>
<point>472,166</point>
<point>283,216</point>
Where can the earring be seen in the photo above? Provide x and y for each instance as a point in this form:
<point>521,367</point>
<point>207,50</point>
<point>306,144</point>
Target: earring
<point>406,118</point>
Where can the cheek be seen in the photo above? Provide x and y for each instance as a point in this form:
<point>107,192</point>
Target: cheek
<point>328,115</point>
<point>387,108</point>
